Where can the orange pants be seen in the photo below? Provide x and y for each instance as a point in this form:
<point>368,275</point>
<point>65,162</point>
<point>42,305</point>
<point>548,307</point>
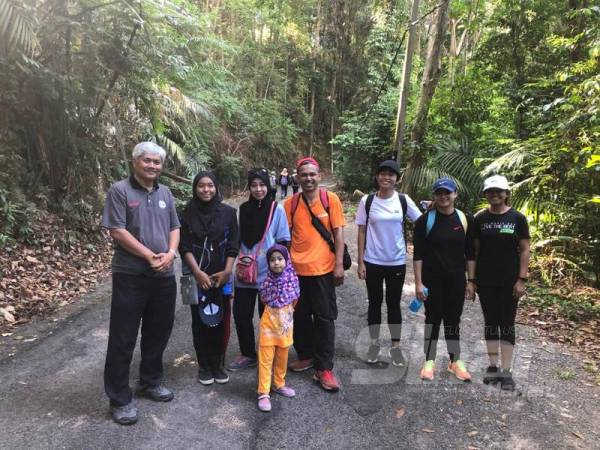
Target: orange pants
<point>271,358</point>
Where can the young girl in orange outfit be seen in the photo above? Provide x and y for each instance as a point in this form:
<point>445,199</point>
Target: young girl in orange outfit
<point>279,292</point>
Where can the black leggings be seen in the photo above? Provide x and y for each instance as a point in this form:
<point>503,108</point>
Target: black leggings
<point>284,191</point>
<point>444,303</point>
<point>244,304</point>
<point>394,281</point>
<point>499,308</point>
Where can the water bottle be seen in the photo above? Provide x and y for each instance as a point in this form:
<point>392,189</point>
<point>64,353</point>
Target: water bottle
<point>415,304</point>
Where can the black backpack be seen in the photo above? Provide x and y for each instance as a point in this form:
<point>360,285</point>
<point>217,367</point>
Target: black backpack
<point>403,203</point>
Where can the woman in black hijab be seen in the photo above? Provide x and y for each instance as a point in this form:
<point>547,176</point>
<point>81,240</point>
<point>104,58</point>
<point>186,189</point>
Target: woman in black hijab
<point>209,245</point>
<point>262,224</point>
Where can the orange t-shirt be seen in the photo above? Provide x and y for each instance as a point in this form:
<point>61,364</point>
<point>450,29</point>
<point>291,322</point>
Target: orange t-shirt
<point>310,253</point>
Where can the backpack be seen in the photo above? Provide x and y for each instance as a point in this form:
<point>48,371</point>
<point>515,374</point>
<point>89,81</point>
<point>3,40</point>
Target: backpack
<point>325,234</point>
<point>431,220</point>
<point>403,203</point>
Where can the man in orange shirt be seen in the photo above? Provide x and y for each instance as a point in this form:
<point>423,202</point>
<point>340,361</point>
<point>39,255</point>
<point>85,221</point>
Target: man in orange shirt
<point>319,270</point>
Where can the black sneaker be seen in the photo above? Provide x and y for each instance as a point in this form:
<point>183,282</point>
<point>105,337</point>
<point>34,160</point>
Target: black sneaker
<point>205,376</point>
<point>397,357</point>
<point>124,415</point>
<point>491,375</point>
<point>220,375</point>
<point>156,393</point>
<point>373,354</point>
<point>506,381</point>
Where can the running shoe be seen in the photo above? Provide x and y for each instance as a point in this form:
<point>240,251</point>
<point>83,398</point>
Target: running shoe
<point>458,369</point>
<point>327,380</point>
<point>428,370</point>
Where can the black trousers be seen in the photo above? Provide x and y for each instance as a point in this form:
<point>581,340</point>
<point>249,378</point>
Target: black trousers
<point>244,304</point>
<point>499,308</point>
<point>135,299</point>
<point>295,188</point>
<point>314,327</point>
<point>284,190</point>
<point>393,276</point>
<point>444,304</point>
<point>210,343</point>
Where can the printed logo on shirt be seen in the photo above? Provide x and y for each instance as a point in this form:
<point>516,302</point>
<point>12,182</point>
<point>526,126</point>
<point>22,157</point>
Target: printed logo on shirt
<point>322,215</point>
<point>507,231</point>
<point>457,228</point>
<point>134,203</point>
<point>162,204</point>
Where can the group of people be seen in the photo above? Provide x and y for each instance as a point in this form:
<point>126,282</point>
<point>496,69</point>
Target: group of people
<point>284,181</point>
<point>291,257</point>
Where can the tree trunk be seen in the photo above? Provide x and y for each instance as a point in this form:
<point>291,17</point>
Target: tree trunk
<point>405,86</point>
<point>312,95</point>
<point>431,75</point>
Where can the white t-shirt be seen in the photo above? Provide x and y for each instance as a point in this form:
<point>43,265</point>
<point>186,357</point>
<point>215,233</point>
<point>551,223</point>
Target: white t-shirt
<point>385,236</point>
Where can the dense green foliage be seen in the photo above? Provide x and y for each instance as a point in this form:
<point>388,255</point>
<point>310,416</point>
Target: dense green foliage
<point>228,84</point>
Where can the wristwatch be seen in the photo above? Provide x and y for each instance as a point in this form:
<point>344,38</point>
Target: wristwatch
<point>524,279</point>
<point>472,280</point>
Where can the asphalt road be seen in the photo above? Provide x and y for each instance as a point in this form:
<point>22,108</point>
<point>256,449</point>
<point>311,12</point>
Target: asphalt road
<point>51,394</point>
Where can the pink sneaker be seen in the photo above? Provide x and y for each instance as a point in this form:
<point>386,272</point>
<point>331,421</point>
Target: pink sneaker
<point>285,391</point>
<point>264,402</point>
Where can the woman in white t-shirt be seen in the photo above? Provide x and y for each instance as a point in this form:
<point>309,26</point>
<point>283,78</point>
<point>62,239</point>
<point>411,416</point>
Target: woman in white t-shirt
<point>382,255</point>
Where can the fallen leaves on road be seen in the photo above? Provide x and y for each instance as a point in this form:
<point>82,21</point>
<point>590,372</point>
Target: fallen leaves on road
<point>58,267</point>
<point>400,412</point>
<point>546,310</point>
<point>427,430</point>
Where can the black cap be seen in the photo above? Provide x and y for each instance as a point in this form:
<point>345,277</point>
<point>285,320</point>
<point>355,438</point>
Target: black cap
<point>391,165</point>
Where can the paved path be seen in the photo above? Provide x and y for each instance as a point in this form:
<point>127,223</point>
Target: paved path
<point>51,395</point>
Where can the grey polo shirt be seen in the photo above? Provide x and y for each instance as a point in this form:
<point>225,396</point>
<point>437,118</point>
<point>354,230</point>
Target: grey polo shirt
<point>148,215</point>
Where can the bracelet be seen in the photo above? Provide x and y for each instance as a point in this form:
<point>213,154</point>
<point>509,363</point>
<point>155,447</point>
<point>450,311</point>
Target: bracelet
<point>524,279</point>
<point>472,280</point>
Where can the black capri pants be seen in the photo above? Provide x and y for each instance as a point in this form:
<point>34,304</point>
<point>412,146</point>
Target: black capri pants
<point>499,308</point>
<point>394,281</point>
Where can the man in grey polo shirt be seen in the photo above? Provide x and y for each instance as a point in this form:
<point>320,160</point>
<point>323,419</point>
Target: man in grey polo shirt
<point>141,217</point>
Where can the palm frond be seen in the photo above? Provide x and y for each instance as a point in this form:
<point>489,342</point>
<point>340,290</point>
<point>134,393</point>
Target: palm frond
<point>457,160</point>
<point>172,148</point>
<point>515,159</point>
<point>16,30</point>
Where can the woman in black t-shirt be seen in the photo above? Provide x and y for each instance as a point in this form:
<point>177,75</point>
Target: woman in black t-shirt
<point>443,250</point>
<point>502,245</point>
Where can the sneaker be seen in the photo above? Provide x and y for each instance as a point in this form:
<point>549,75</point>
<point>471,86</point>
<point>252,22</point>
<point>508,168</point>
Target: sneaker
<point>327,380</point>
<point>491,375</point>
<point>300,365</point>
<point>205,376</point>
<point>373,354</point>
<point>459,370</point>
<point>397,357</point>
<point>124,415</point>
<point>264,402</point>
<point>156,393</point>
<point>220,375</point>
<point>506,381</point>
<point>285,391</point>
<point>240,363</point>
<point>428,370</point>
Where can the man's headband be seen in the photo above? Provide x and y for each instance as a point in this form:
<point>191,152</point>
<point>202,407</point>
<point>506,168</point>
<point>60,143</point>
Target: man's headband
<point>307,160</point>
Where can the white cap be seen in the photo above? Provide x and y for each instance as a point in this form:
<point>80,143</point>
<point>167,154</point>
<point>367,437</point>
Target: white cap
<point>496,182</point>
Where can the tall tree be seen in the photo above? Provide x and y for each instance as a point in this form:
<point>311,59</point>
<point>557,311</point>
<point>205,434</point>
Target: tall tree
<point>431,76</point>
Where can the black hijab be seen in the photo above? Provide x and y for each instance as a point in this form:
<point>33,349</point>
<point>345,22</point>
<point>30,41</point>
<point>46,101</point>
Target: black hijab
<point>254,214</point>
<point>201,215</point>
